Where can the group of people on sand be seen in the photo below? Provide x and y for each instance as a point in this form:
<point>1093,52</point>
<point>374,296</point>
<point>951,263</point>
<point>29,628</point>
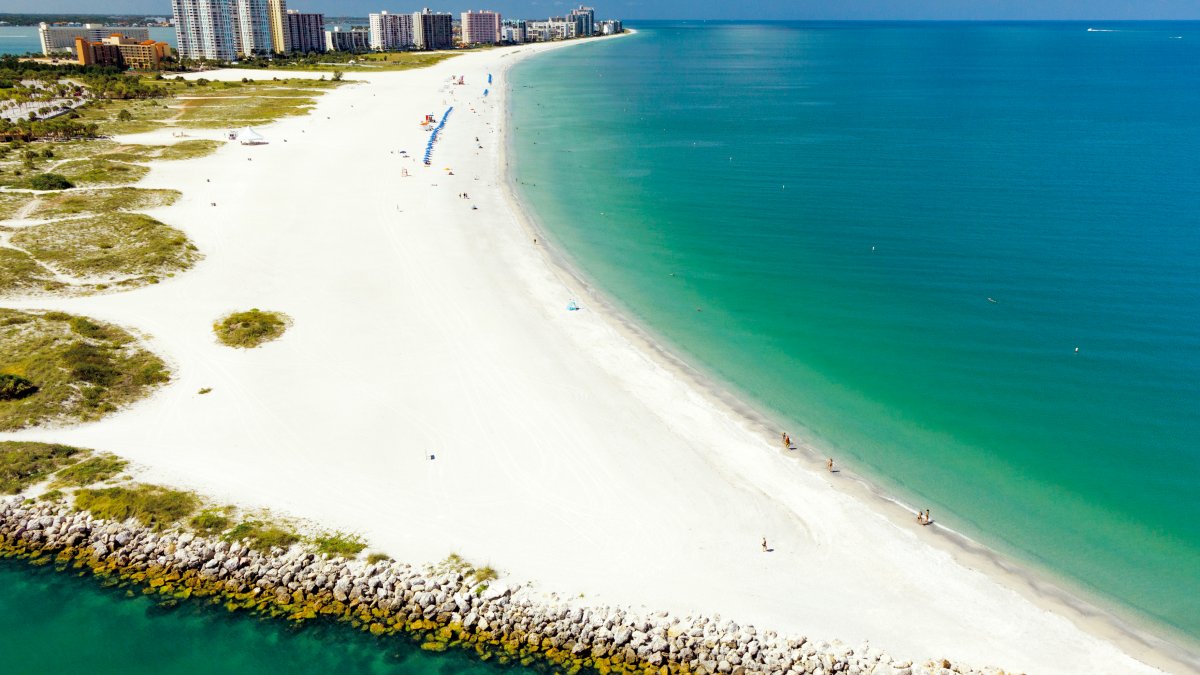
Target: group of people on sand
<point>923,517</point>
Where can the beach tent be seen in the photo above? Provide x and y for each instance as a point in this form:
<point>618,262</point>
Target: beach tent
<point>248,136</point>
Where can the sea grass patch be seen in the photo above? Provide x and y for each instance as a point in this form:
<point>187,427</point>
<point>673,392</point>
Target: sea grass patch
<point>82,369</point>
<point>251,328</point>
<point>131,248</point>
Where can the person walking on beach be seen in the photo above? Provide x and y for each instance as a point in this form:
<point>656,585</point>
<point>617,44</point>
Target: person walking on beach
<point>764,544</point>
<point>920,517</point>
<point>928,520</point>
<point>829,465</point>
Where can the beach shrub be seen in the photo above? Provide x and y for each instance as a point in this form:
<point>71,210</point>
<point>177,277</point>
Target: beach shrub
<point>339,544</point>
<point>250,329</point>
<point>377,557</point>
<point>485,574</point>
<point>15,387</point>
<point>151,505</point>
<point>82,368</point>
<point>210,522</point>
<point>262,536</point>
<point>90,471</point>
<point>50,181</point>
<point>25,463</point>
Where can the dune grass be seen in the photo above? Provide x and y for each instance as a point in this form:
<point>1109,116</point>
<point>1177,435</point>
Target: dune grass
<point>83,369</point>
<point>12,202</point>
<point>262,536</point>
<point>116,247</point>
<point>151,505</point>
<point>339,544</point>
<point>23,464</point>
<point>19,274</point>
<point>250,329</point>
<point>211,521</point>
<point>145,115</point>
<point>99,171</point>
<point>101,201</point>
<point>148,153</point>
<point>90,471</point>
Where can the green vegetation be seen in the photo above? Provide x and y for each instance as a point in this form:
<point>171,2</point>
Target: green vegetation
<point>340,544</point>
<point>210,521</point>
<point>262,536</point>
<point>151,505</point>
<point>19,273</point>
<point>122,247</point>
<point>146,153</point>
<point>90,471</point>
<point>23,464</point>
<point>101,201</point>
<point>15,387</point>
<point>484,574</point>
<point>50,181</point>
<point>100,172</point>
<point>83,369</point>
<point>377,557</point>
<point>250,329</point>
<point>11,203</point>
<point>345,61</point>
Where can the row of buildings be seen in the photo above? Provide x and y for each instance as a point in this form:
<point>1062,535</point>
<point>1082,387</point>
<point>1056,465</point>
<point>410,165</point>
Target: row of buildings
<point>389,32</point>
<point>225,30</point>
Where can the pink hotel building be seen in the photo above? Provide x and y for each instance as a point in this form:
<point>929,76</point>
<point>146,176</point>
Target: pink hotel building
<point>481,28</point>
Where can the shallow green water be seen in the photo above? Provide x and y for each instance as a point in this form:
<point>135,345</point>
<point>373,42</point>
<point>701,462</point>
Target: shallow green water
<point>842,200</point>
<point>53,622</point>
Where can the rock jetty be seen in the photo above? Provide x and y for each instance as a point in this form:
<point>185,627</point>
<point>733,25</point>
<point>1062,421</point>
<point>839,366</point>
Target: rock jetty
<point>440,608</point>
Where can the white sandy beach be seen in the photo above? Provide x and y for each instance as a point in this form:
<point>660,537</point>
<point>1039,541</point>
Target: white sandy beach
<point>566,453</point>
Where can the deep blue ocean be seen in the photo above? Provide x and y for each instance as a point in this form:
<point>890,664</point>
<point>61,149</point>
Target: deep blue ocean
<point>962,258</point>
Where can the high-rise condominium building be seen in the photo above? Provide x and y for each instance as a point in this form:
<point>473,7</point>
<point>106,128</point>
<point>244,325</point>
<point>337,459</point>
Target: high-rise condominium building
<point>480,28</point>
<point>62,38</point>
<point>585,20</point>
<point>277,16</point>
<point>253,27</point>
<point>433,30</point>
<point>391,31</point>
<point>205,29</point>
<point>305,32</point>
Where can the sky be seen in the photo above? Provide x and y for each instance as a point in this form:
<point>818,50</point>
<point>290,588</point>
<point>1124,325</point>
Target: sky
<point>698,9</point>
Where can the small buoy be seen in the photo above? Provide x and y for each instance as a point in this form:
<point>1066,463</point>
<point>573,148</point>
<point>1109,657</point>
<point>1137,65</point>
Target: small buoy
<point>1077,350</point>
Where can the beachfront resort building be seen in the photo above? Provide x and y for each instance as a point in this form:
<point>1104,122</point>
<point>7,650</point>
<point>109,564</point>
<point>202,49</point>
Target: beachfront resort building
<point>253,28</point>
<point>205,29</point>
<point>357,39</point>
<point>584,19</point>
<point>305,32</point>
<point>481,28</point>
<point>513,31</point>
<point>390,31</point>
<point>117,50</point>
<point>57,39</point>
<point>277,18</point>
<point>610,27</point>
<point>433,30</point>
<point>222,30</point>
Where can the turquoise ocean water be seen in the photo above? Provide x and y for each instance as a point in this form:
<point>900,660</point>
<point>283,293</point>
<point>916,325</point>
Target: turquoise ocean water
<point>54,622</point>
<point>842,201</point>
<point>1050,168</point>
